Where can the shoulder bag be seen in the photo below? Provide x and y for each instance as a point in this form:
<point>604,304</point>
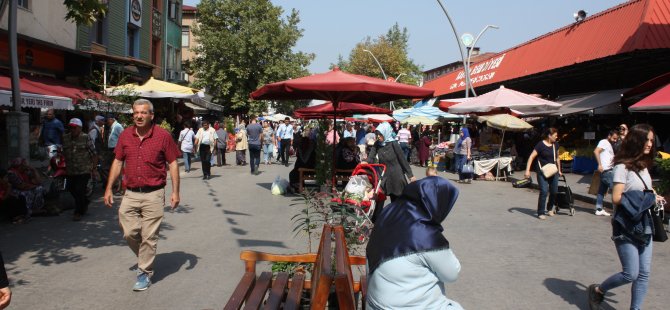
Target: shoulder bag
<point>549,170</point>
<point>657,214</point>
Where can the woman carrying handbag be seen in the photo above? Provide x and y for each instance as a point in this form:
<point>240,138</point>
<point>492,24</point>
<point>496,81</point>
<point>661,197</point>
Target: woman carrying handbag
<point>632,224</point>
<point>545,155</point>
<point>463,153</point>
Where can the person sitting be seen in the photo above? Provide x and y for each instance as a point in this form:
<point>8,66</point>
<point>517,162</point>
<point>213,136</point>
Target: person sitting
<point>305,158</point>
<point>409,259</point>
<point>348,156</point>
<point>11,206</point>
<point>26,183</point>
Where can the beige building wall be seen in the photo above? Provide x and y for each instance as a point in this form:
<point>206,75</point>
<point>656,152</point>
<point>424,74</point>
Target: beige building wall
<point>44,20</point>
<point>188,19</point>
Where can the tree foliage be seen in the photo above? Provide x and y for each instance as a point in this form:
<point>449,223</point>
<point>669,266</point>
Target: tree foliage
<point>84,12</point>
<point>242,45</point>
<point>391,51</point>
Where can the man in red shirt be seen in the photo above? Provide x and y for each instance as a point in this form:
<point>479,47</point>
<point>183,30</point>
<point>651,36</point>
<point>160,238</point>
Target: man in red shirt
<point>144,148</point>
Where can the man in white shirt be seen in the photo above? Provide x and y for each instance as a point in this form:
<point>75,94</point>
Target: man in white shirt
<point>349,132</point>
<point>285,134</point>
<point>604,155</point>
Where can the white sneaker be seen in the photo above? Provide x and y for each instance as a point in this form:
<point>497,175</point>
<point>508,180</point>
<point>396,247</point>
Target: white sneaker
<point>602,212</point>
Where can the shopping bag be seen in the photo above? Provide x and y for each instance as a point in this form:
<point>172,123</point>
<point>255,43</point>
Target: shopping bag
<point>468,168</point>
<point>279,186</point>
<point>595,183</point>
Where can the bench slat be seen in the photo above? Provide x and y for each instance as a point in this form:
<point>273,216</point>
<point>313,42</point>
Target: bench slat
<point>279,286</point>
<point>241,291</point>
<point>258,293</point>
<point>295,292</point>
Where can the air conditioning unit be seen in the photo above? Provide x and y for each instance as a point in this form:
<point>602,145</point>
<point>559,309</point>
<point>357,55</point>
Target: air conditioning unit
<point>183,76</point>
<point>171,74</point>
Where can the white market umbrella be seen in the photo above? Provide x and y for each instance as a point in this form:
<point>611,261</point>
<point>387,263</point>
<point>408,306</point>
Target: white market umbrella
<point>505,99</point>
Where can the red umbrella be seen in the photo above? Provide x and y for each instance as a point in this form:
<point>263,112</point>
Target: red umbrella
<point>337,86</point>
<point>343,109</point>
<point>656,102</point>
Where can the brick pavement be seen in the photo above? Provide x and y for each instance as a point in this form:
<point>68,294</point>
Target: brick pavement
<point>510,259</point>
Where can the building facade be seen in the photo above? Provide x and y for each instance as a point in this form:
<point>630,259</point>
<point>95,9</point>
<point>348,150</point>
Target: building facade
<point>189,19</point>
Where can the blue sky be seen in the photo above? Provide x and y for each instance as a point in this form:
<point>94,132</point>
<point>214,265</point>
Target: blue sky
<point>334,27</point>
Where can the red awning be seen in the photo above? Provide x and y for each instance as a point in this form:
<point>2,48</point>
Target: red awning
<point>656,102</point>
<point>50,87</point>
<point>634,25</point>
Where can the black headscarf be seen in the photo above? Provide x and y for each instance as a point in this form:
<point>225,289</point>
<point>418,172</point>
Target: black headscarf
<point>413,223</point>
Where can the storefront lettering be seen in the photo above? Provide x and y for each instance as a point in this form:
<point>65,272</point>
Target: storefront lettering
<point>474,80</point>
<point>491,64</point>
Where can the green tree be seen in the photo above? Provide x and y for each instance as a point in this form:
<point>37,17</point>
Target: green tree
<point>391,51</point>
<point>242,45</point>
<point>84,12</point>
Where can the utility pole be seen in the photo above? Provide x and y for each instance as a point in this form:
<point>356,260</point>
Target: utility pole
<point>17,121</point>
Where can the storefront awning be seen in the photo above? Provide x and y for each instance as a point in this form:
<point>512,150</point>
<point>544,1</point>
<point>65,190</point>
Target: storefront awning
<point>630,27</point>
<point>602,102</point>
<point>196,109</point>
<point>658,102</point>
<point>51,87</point>
<point>29,100</point>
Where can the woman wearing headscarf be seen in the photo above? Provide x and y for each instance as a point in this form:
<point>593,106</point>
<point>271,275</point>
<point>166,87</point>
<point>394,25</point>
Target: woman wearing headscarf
<point>423,148</point>
<point>387,151</point>
<point>462,151</point>
<point>408,257</point>
<point>241,145</point>
<point>305,157</point>
<point>26,183</point>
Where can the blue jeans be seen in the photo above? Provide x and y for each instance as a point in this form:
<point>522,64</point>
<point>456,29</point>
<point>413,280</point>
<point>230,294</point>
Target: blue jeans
<point>187,161</point>
<point>547,186</point>
<point>636,263</point>
<point>460,161</point>
<point>254,156</point>
<point>404,146</point>
<point>267,152</point>
<point>605,184</point>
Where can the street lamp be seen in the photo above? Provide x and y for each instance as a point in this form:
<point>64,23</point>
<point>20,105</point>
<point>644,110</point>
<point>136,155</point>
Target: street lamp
<point>460,48</point>
<point>399,75</point>
<point>377,61</point>
<point>474,43</point>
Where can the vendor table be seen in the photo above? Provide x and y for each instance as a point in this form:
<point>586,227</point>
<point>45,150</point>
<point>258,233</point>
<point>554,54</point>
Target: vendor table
<point>485,165</point>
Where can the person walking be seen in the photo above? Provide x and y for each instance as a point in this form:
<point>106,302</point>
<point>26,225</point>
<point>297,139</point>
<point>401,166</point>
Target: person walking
<point>241,145</point>
<point>52,133</point>
<point>205,143</point>
<point>623,131</point>
<point>463,153</point>
<point>546,153</point>
<point>254,131</point>
<point>424,148</point>
<point>404,137</point>
<point>115,129</point>
<point>387,151</point>
<point>632,226</point>
<point>604,153</point>
<point>285,134</point>
<point>269,142</point>
<point>96,132</point>
<point>82,161</point>
<point>221,145</point>
<point>144,149</point>
<point>185,141</point>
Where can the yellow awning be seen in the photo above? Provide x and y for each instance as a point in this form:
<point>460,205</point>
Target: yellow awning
<point>155,89</point>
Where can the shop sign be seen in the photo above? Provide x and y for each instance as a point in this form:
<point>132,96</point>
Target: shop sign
<point>37,101</point>
<point>480,73</point>
<point>135,13</point>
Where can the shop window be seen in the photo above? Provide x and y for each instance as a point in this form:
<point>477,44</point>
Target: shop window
<point>155,48</point>
<point>170,57</point>
<point>132,42</point>
<point>185,36</point>
<point>99,31</point>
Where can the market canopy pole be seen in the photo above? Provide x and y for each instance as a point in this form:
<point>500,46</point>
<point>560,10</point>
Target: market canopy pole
<point>17,121</point>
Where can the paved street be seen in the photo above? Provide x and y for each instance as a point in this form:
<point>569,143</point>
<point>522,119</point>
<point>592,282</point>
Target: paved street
<point>510,259</point>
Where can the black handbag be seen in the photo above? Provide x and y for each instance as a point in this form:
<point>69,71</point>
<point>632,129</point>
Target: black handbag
<point>657,213</point>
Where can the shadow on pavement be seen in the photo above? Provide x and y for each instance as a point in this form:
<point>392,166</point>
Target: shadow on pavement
<point>529,212</point>
<point>267,186</point>
<point>573,292</point>
<point>169,263</point>
<point>246,243</point>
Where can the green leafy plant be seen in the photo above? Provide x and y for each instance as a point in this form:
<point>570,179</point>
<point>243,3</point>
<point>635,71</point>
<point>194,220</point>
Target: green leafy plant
<point>663,187</point>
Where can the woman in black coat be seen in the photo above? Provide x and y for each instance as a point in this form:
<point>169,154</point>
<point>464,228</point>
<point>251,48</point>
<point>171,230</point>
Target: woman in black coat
<point>387,151</point>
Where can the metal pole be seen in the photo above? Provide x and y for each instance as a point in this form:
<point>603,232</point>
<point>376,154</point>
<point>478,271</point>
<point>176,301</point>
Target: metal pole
<point>378,64</point>
<point>14,56</point>
<point>104,77</point>
<point>460,48</point>
<point>474,43</point>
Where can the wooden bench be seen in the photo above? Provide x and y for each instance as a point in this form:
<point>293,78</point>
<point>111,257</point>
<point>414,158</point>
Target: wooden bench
<point>254,292</point>
<point>305,174</point>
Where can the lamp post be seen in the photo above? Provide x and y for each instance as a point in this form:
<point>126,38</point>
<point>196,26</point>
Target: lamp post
<point>474,43</point>
<point>460,48</point>
<point>399,75</point>
<point>377,61</point>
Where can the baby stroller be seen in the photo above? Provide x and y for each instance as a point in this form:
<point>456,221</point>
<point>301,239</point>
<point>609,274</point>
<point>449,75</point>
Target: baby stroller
<point>363,191</point>
<point>564,197</point>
